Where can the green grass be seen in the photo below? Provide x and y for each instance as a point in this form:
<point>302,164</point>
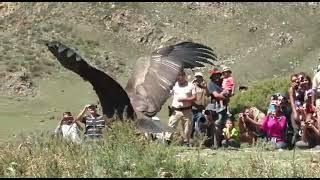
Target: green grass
<point>123,153</point>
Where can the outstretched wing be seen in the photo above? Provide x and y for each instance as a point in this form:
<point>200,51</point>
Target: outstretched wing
<point>149,86</point>
<point>112,96</point>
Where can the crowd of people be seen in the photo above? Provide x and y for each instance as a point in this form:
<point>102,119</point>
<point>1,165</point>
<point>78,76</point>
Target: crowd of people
<point>290,121</point>
<point>202,108</point>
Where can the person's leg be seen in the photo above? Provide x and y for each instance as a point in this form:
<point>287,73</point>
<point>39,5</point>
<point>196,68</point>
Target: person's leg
<point>194,120</point>
<point>174,119</point>
<point>295,129</point>
<point>197,115</point>
<point>302,145</point>
<point>187,119</point>
<point>233,143</point>
<point>219,125</point>
<point>224,143</point>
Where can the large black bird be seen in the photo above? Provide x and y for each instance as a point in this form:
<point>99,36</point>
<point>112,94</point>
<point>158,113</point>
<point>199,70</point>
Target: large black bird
<point>149,86</point>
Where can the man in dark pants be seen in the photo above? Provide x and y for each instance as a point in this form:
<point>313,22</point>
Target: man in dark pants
<point>216,92</point>
<point>199,104</point>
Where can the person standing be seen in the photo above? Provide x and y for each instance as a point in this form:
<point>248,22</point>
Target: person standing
<point>217,94</point>
<point>183,96</point>
<point>95,123</point>
<point>199,104</point>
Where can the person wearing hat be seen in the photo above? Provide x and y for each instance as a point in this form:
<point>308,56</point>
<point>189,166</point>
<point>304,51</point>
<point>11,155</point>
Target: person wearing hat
<point>199,104</point>
<point>217,94</point>
<point>94,122</point>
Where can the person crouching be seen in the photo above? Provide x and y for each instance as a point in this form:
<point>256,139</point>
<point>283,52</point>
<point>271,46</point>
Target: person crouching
<point>231,135</point>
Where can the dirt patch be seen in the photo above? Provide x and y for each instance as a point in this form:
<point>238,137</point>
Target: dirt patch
<point>139,29</point>
<point>18,83</point>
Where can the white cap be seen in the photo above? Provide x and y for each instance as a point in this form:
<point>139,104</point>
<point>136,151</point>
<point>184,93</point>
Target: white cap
<point>198,74</point>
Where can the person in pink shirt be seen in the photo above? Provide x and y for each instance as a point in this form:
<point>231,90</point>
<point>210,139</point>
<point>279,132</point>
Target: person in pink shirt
<point>228,81</point>
<point>228,84</point>
<point>274,125</point>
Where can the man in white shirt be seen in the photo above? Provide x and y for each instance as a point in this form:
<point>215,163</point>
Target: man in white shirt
<point>183,96</point>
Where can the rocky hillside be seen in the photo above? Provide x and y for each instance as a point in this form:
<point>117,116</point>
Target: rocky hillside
<point>258,40</point>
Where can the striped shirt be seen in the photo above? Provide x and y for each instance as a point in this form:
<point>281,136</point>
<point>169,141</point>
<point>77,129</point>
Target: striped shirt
<point>93,125</point>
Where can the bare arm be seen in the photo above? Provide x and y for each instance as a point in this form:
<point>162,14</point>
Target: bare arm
<point>315,129</point>
<point>81,114</point>
<point>248,119</point>
<point>292,100</point>
<point>217,95</point>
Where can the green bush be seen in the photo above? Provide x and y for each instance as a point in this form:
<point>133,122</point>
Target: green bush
<point>259,94</point>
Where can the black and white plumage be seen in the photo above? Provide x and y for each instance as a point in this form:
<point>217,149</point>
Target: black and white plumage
<point>149,86</point>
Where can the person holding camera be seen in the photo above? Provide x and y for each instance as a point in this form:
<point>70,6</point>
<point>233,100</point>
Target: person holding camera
<point>199,104</point>
<point>250,121</point>
<point>309,126</point>
<point>69,128</point>
<point>94,122</point>
<point>274,125</point>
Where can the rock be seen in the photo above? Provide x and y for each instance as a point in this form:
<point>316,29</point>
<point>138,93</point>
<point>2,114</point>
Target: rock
<point>253,29</point>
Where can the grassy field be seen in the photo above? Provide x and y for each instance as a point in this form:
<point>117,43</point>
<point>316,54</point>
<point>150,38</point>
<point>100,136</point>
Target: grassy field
<point>258,40</point>
<point>123,153</point>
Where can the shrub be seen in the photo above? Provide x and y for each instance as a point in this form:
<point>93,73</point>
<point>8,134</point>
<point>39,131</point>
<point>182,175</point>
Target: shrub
<point>259,94</point>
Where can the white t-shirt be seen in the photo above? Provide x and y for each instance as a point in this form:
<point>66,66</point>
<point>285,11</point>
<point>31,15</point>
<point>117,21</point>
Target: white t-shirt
<point>182,92</point>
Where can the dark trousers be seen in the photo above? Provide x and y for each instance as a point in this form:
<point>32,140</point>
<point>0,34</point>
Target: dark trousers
<point>197,117</point>
<point>231,142</point>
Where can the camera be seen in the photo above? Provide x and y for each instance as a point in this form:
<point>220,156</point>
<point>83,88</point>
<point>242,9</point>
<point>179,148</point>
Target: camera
<point>207,112</point>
